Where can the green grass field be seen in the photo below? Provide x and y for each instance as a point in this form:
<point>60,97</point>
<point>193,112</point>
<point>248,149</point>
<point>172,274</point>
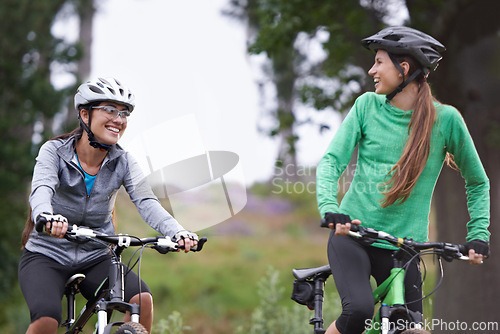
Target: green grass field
<point>215,291</point>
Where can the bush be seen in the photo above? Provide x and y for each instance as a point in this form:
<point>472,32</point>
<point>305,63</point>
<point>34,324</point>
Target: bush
<point>271,318</point>
<point>172,325</point>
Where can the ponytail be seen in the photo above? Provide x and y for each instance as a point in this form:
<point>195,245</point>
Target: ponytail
<point>27,230</point>
<point>406,171</point>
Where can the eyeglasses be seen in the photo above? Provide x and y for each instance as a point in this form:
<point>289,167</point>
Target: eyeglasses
<point>112,113</point>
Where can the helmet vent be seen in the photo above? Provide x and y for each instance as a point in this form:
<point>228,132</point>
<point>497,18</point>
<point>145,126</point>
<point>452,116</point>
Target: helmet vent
<point>121,92</point>
<point>111,90</point>
<point>105,81</point>
<point>96,90</point>
<point>393,37</point>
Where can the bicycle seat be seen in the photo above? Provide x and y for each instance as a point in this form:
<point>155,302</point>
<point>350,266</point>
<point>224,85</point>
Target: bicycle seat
<point>74,281</point>
<point>302,274</point>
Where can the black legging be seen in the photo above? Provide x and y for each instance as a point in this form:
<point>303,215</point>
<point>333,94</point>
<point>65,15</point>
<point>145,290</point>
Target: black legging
<point>352,264</point>
<point>42,282</point>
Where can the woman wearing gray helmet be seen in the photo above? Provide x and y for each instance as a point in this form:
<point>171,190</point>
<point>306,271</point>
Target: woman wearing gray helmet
<point>76,179</point>
<point>403,136</point>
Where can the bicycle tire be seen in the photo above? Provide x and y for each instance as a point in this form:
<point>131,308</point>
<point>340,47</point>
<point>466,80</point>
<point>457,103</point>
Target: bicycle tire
<point>131,328</point>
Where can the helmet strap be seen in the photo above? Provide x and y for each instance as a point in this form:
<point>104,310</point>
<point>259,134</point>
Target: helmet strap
<point>405,82</point>
<point>92,142</point>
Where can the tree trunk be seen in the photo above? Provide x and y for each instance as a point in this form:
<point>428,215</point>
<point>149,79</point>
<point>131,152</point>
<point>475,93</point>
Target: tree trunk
<point>470,293</point>
<point>86,11</point>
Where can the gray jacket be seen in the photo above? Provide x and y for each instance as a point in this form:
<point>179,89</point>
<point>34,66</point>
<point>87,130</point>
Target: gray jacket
<point>58,187</point>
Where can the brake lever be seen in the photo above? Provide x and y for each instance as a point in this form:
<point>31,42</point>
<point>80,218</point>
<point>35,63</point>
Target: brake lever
<point>451,252</point>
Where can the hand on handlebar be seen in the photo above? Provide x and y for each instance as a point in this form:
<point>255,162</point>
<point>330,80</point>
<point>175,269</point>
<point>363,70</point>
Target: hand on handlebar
<point>343,229</point>
<point>475,258</point>
<point>186,240</point>
<point>339,222</point>
<point>478,250</point>
<point>55,225</point>
<point>187,244</point>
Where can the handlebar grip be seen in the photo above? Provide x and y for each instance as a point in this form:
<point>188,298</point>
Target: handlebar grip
<point>463,250</point>
<point>354,228</point>
<point>201,242</point>
<point>41,221</point>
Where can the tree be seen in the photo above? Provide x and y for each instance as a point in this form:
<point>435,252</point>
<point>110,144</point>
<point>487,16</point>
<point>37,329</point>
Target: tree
<point>27,98</point>
<point>467,78</point>
<point>276,29</point>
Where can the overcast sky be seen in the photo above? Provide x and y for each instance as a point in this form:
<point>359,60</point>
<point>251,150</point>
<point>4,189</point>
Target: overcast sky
<point>183,58</point>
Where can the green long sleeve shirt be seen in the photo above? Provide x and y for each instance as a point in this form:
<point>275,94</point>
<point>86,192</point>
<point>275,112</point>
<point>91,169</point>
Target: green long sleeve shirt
<point>381,132</point>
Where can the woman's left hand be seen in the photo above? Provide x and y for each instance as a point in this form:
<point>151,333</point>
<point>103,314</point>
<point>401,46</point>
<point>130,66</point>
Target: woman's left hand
<point>188,244</point>
<point>478,250</point>
<point>475,258</point>
<point>186,239</point>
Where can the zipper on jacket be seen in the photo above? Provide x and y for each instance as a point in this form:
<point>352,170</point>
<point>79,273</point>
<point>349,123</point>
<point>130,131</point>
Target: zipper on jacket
<point>87,196</point>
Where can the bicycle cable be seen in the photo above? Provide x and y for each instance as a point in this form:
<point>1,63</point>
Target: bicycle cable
<point>441,276</point>
<point>415,254</point>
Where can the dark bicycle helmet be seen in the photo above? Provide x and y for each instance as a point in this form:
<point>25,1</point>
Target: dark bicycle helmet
<point>408,41</point>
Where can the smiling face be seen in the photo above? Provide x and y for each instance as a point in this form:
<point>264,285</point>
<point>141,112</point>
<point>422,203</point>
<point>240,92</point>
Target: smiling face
<point>108,123</point>
<point>385,75</point>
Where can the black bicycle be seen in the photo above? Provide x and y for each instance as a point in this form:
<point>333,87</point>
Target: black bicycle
<point>109,297</point>
<point>393,315</point>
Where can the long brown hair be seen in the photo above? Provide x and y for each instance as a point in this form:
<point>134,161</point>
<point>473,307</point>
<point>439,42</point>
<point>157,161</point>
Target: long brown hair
<point>406,171</point>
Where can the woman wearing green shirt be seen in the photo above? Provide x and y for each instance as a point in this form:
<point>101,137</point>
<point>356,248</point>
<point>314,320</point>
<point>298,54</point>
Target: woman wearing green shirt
<point>403,136</point>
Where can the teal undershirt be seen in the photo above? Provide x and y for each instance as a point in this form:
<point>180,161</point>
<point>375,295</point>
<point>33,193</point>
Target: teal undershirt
<point>89,179</point>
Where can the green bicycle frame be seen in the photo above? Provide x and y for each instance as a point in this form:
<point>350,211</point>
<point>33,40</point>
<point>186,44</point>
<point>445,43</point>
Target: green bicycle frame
<point>391,292</point>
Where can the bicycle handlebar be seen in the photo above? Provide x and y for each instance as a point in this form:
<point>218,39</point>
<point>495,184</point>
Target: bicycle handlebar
<point>162,244</point>
<point>369,235</point>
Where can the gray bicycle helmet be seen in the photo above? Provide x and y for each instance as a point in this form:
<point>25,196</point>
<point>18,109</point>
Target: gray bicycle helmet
<point>97,90</point>
<point>104,89</point>
<point>408,41</point>
<point>403,40</point>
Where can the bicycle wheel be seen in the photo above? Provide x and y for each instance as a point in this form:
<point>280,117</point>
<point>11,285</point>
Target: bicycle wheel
<point>131,328</point>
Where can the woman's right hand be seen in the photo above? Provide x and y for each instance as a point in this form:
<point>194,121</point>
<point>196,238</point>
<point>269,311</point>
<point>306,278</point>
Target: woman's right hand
<point>340,222</point>
<point>56,226</point>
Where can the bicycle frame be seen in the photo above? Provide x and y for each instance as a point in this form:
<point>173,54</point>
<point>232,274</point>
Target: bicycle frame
<point>108,297</point>
<point>391,296</point>
<point>390,293</point>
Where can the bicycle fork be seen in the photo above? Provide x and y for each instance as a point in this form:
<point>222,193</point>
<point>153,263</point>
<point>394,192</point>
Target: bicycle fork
<point>116,302</point>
